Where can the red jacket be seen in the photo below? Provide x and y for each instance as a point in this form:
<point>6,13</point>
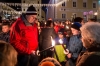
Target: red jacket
<point>24,38</point>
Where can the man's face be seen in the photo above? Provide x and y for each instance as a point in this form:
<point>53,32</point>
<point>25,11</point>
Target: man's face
<point>31,18</point>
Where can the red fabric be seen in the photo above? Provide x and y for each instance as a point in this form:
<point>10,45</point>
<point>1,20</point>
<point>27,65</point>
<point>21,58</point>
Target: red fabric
<point>24,38</point>
<point>56,28</point>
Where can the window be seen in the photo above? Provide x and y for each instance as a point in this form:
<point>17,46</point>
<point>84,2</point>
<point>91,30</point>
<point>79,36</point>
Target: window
<point>38,9</point>
<point>63,4</point>
<point>63,15</point>
<point>38,2</point>
<point>23,9</point>
<point>94,5</point>
<point>38,14</point>
<point>84,4</point>
<point>74,4</point>
<point>24,1</point>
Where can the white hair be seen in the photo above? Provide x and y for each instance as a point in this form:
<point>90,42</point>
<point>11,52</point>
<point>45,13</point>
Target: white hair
<point>91,31</point>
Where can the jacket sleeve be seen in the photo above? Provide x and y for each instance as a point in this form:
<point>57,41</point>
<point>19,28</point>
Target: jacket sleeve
<point>78,49</point>
<point>15,40</point>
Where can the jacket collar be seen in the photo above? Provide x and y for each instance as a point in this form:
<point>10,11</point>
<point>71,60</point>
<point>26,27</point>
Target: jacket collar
<point>25,20</point>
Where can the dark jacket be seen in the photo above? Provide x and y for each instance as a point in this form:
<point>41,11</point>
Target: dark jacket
<point>5,36</point>
<point>45,37</point>
<point>91,57</point>
<point>24,36</point>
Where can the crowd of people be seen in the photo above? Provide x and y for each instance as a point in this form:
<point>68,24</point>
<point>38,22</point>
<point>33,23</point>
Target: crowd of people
<point>28,42</point>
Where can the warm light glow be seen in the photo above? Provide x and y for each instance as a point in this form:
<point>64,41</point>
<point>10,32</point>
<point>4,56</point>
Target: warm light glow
<point>72,23</point>
<point>45,23</point>
<point>95,13</point>
<point>53,42</point>
<point>67,27</point>
<point>60,41</point>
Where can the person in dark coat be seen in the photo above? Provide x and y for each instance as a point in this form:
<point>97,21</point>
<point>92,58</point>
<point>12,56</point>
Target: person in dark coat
<point>91,41</point>
<point>45,40</point>
<point>5,34</point>
<point>24,38</point>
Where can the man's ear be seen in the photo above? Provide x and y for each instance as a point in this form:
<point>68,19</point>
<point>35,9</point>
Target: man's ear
<point>90,41</point>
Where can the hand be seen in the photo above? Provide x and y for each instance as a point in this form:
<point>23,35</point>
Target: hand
<point>37,52</point>
<point>33,52</point>
<point>52,49</point>
<point>66,52</point>
<point>69,55</point>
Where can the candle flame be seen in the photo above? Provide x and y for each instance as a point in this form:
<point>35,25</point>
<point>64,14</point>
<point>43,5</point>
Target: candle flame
<point>53,42</point>
<point>67,27</point>
<point>60,41</point>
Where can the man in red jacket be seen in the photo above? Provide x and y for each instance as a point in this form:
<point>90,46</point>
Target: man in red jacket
<point>24,38</point>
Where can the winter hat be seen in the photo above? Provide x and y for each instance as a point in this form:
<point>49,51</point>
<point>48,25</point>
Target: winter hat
<point>76,25</point>
<point>31,10</point>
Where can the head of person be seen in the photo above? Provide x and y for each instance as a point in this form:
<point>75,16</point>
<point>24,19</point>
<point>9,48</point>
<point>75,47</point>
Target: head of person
<point>61,33</point>
<point>31,14</point>
<point>49,23</point>
<point>90,35</point>
<point>79,19</point>
<point>49,62</point>
<point>8,55</point>
<point>75,28</point>
<point>5,27</point>
<point>91,20</point>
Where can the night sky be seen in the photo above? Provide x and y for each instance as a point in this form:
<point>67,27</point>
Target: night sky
<point>19,1</point>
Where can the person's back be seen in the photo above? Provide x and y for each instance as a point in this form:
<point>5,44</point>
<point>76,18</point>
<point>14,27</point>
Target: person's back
<point>8,55</point>
<point>45,36</point>
<point>45,40</point>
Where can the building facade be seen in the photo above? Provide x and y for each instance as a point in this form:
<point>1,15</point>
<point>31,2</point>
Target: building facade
<point>73,8</point>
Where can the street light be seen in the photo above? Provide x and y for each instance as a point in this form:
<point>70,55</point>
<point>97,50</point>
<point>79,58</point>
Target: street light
<point>95,16</point>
